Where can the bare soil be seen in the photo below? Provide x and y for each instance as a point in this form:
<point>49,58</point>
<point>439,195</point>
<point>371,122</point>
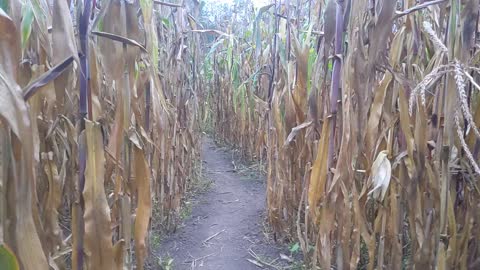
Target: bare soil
<point>226,223</point>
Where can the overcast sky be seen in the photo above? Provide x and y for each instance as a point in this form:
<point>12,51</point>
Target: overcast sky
<point>257,3</point>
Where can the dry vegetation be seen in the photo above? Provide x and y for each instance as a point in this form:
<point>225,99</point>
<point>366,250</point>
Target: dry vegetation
<point>98,118</point>
<point>367,113</point>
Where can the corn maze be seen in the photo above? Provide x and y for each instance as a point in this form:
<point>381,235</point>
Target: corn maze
<point>364,112</point>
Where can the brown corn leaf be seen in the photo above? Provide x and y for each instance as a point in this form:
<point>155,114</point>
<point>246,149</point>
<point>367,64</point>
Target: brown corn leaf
<point>16,113</point>
<point>118,253</point>
<point>300,91</point>
<point>329,22</point>
<point>126,223</point>
<point>110,50</point>
<point>120,39</point>
<point>406,129</point>
<point>98,235</point>
<point>77,241</point>
<point>64,46</point>
<point>376,113</point>
<point>63,37</point>
<point>52,228</point>
<point>319,170</point>
<point>115,143</point>
<point>144,205</point>
<point>295,131</point>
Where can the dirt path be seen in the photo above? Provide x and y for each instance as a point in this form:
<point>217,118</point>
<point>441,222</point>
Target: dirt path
<point>226,221</point>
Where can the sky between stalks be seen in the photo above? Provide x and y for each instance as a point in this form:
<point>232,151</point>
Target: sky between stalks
<point>256,3</point>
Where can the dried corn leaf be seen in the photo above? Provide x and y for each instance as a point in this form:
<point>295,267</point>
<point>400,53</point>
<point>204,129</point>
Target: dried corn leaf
<point>318,177</point>
<point>144,205</point>
<point>98,234</point>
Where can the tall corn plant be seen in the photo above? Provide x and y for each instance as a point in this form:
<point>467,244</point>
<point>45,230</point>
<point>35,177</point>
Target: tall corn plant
<point>368,112</point>
<point>97,124</point>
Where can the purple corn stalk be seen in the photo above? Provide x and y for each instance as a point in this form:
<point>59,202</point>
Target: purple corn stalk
<point>335,87</point>
<point>148,103</point>
<point>84,99</point>
<point>84,73</point>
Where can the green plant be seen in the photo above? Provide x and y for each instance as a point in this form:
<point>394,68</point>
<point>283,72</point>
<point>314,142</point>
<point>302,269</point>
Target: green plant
<point>8,260</point>
<point>166,263</point>
<point>294,248</point>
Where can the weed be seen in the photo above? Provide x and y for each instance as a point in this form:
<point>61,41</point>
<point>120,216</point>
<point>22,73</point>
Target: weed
<point>186,210</point>
<point>294,248</point>
<point>155,240</point>
<point>166,263</point>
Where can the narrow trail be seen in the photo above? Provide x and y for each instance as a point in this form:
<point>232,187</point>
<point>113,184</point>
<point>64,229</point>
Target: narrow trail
<point>226,221</point>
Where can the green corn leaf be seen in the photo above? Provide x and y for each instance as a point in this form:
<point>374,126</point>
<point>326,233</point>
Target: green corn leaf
<point>39,9</point>
<point>213,48</point>
<point>248,34</point>
<point>166,22</point>
<point>27,22</point>
<point>230,53</point>
<point>8,260</point>
<point>146,7</point>
<point>311,60</point>
<point>100,25</point>
<point>256,29</point>
<point>330,65</point>
<point>5,5</point>
<point>235,75</point>
<point>137,70</point>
